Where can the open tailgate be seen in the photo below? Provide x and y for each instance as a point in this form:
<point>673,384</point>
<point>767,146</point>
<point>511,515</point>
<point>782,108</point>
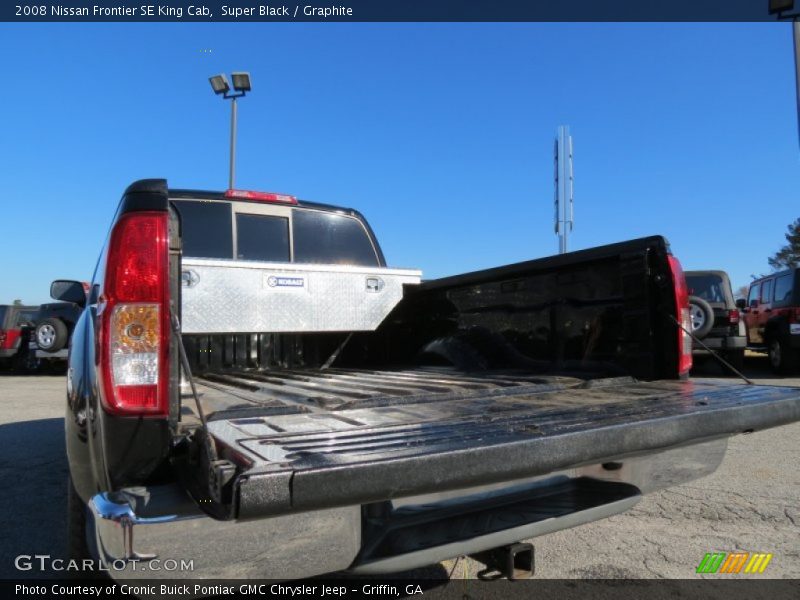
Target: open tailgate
<point>355,454</point>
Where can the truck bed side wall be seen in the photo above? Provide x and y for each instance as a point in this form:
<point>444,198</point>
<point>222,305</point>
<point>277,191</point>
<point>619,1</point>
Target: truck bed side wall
<point>602,309</point>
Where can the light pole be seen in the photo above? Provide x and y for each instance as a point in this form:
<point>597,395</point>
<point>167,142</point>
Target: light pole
<point>783,9</point>
<point>241,85</point>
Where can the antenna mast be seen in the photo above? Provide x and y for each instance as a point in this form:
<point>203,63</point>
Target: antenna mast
<point>564,217</point>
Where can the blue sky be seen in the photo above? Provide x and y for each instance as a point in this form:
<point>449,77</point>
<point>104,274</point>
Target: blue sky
<point>441,134</point>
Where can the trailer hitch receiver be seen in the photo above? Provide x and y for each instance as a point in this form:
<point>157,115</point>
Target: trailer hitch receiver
<point>514,561</point>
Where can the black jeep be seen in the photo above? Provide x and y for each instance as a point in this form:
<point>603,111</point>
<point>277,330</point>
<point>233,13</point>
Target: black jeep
<point>715,318</point>
<point>56,320</point>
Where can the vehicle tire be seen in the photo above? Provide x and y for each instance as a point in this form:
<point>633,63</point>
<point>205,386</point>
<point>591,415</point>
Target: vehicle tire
<point>782,358</point>
<point>735,358</point>
<point>77,547</point>
<point>702,316</point>
<point>51,335</point>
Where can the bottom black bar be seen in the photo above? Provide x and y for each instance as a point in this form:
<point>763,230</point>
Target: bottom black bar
<point>743,588</point>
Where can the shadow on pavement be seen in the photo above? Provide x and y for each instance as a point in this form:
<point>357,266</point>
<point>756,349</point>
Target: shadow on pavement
<point>754,366</point>
<point>33,466</point>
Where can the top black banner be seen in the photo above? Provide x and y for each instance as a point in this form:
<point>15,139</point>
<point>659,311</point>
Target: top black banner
<point>394,10</point>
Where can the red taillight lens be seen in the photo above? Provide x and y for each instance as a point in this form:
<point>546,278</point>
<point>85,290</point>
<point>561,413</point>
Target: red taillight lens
<point>733,316</point>
<point>263,196</point>
<point>2,337</point>
<point>682,307</point>
<point>134,317</point>
<point>137,258</point>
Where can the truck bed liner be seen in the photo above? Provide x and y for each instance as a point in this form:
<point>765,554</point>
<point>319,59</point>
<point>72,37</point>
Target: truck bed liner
<point>348,389</point>
<point>395,436</point>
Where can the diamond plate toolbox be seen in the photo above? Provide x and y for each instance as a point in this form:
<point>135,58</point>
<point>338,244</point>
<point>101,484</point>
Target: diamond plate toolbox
<point>228,296</point>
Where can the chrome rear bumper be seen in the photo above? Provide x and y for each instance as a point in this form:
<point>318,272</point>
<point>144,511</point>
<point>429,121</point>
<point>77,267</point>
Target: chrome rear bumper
<point>160,533</point>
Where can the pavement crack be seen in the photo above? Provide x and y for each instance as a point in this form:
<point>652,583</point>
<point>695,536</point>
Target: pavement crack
<point>790,517</point>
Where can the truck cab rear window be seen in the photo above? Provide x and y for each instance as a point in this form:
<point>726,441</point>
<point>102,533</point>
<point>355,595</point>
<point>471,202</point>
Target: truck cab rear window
<point>206,229</point>
<point>322,237</point>
<point>262,237</point>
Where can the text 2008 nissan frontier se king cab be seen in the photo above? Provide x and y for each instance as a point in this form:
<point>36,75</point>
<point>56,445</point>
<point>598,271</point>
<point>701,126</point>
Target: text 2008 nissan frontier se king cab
<point>252,389</point>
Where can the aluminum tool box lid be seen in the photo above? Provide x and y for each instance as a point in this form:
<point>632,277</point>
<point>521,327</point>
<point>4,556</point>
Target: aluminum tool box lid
<point>233,296</point>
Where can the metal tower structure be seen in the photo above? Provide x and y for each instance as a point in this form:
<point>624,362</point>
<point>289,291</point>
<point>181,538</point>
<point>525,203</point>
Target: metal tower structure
<point>564,217</point>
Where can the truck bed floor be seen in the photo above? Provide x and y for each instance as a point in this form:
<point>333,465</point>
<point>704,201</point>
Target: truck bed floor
<point>351,389</point>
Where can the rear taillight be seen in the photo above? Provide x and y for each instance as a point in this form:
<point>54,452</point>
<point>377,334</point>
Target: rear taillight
<point>682,307</point>
<point>2,337</point>
<point>794,316</point>
<point>733,316</point>
<point>134,317</point>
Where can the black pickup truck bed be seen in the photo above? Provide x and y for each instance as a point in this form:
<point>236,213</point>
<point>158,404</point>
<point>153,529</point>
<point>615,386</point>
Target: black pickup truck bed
<point>413,431</point>
<point>374,427</point>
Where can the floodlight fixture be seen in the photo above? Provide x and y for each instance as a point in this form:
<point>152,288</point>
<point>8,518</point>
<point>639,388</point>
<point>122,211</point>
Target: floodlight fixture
<point>241,81</point>
<point>219,83</point>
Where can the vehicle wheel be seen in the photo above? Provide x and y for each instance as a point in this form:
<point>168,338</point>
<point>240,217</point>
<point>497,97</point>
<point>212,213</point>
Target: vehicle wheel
<point>702,316</point>
<point>781,356</point>
<point>736,359</point>
<point>77,548</point>
<point>51,335</point>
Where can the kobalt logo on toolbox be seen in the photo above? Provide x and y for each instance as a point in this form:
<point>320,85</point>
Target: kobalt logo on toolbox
<point>288,282</point>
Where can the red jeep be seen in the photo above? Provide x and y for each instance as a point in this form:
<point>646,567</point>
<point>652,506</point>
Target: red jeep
<point>772,318</point>
<point>16,323</point>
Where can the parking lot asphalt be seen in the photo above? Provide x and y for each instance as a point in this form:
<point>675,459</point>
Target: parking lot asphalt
<point>751,503</point>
